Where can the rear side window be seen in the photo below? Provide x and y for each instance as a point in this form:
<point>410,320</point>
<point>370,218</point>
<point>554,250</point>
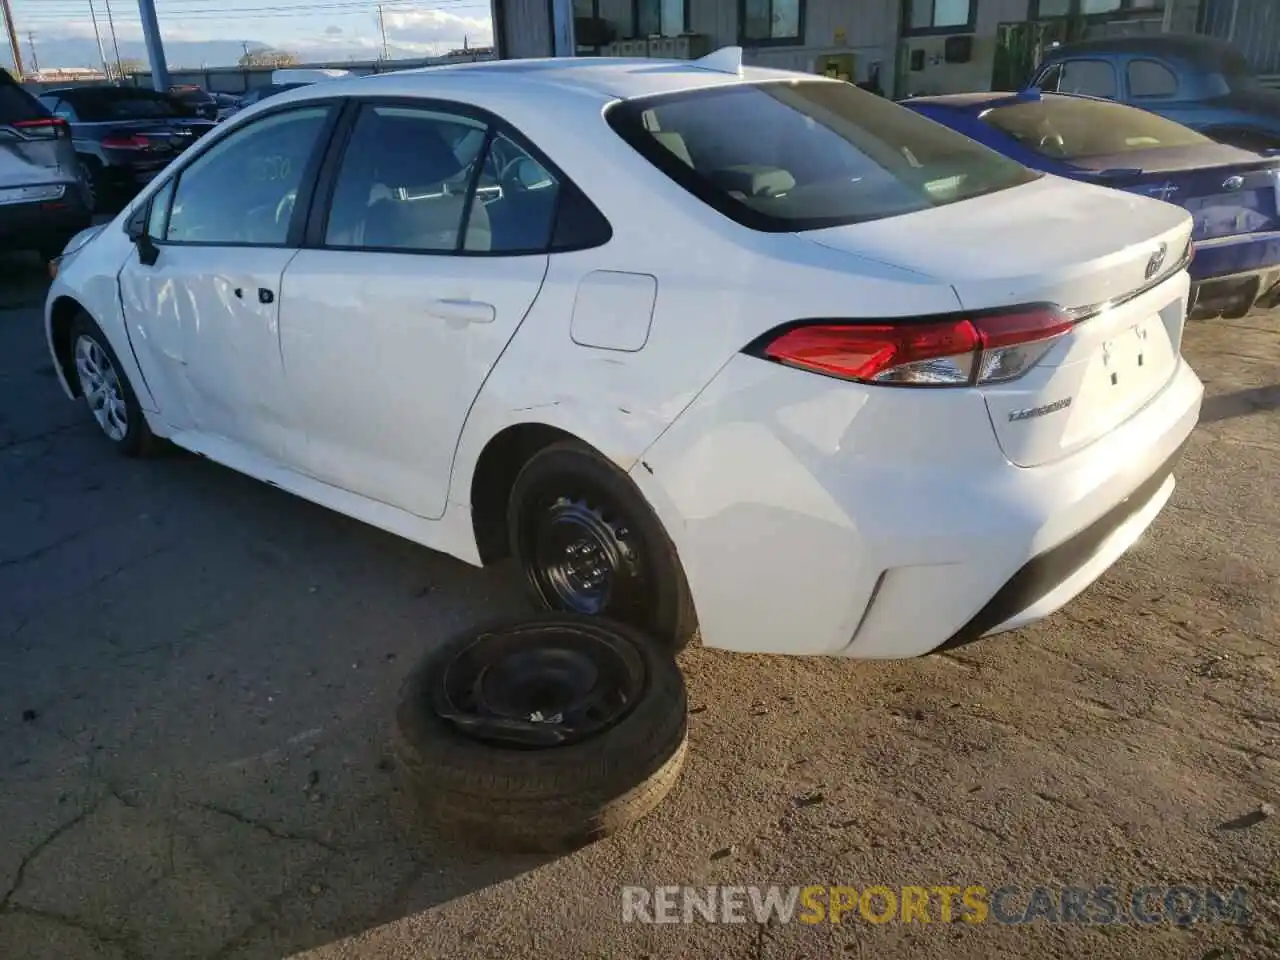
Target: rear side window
<point>110,104</point>
<point>1150,79</point>
<point>16,105</point>
<point>1079,129</point>
<point>802,155</point>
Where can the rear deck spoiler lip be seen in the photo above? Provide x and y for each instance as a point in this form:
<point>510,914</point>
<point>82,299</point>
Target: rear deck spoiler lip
<point>1081,314</point>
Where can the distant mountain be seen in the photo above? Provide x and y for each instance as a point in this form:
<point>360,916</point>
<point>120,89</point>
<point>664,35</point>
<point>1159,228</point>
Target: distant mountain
<point>194,54</point>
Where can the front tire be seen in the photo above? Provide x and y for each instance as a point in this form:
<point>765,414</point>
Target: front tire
<point>107,391</point>
<point>589,543</point>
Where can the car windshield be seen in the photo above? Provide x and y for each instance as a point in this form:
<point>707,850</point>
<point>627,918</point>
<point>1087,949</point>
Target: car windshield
<point>782,156</point>
<point>1071,129</point>
<point>118,104</point>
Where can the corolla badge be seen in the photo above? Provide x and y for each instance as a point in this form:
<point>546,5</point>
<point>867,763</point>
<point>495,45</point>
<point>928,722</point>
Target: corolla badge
<point>1233,183</point>
<point>1157,260</point>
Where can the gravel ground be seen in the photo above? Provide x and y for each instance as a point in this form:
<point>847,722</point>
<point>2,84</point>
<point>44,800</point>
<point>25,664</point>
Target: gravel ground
<point>197,672</point>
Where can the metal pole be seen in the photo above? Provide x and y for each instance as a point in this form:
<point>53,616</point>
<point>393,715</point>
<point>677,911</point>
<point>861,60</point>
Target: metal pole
<point>155,49</point>
<point>35,63</point>
<point>115,44</point>
<point>382,25</point>
<point>102,54</point>
<point>13,40</point>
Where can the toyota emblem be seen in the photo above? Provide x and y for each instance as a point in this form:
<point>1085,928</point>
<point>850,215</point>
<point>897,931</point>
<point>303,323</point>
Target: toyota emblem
<point>1233,183</point>
<point>1157,260</point>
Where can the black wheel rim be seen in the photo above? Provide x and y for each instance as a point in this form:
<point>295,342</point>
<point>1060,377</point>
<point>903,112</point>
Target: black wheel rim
<point>581,555</point>
<point>539,686</point>
<point>90,187</point>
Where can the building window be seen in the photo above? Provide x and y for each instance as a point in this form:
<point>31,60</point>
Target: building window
<point>938,16</point>
<point>1094,8</point>
<point>765,22</point>
<point>661,18</point>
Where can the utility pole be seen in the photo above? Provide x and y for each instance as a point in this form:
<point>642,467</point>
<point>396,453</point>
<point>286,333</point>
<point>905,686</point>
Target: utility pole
<point>155,48</point>
<point>382,25</point>
<point>102,54</point>
<point>13,39</point>
<point>35,63</point>
<point>115,44</point>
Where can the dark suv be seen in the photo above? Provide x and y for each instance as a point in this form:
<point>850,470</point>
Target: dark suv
<point>123,136</point>
<point>43,202</point>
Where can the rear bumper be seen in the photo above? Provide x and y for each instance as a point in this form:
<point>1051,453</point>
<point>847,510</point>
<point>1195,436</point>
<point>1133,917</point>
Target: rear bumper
<point>1234,275</point>
<point>814,517</point>
<point>29,226</point>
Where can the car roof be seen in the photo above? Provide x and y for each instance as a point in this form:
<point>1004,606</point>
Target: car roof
<point>601,77</point>
<point>977,102</point>
<point>1187,46</point>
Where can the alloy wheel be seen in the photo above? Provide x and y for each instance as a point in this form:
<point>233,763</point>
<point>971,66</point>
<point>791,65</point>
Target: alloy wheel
<point>102,388</point>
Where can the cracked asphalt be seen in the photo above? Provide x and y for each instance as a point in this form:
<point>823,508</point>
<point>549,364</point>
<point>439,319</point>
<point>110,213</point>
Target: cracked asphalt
<point>197,672</point>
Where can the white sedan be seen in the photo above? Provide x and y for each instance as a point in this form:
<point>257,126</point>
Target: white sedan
<point>702,346</point>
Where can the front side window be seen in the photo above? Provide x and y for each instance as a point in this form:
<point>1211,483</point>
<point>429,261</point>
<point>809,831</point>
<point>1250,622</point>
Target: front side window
<point>243,188</point>
<point>1069,129</point>
<point>799,155</point>
<point>771,21</point>
<point>924,16</point>
<point>423,181</point>
<point>1092,78</point>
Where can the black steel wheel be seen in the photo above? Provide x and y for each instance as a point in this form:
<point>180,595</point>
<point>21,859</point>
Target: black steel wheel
<point>542,734</point>
<point>589,543</point>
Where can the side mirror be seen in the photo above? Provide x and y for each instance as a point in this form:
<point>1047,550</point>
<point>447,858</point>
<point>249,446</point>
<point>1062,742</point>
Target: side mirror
<point>136,229</point>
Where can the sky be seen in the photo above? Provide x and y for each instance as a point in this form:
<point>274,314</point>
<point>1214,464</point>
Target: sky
<point>211,32</point>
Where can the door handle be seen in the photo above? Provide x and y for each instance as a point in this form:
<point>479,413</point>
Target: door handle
<point>467,311</point>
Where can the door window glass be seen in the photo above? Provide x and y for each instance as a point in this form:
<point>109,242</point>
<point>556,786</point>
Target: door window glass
<point>403,180</point>
<point>1093,78</point>
<point>158,215</point>
<point>242,190</point>
<point>1150,79</point>
<point>515,202</point>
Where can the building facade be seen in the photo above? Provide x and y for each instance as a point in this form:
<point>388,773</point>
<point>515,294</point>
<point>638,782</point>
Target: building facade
<point>904,46</point>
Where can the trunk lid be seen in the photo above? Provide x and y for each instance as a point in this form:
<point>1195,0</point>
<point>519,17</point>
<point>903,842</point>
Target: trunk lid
<point>159,140</point>
<point>1228,191</point>
<point>1115,260</point>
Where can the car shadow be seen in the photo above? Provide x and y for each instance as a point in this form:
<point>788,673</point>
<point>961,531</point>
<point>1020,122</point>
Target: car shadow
<point>1240,403</point>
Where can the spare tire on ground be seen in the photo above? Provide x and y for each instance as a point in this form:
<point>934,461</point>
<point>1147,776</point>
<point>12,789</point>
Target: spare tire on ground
<point>544,733</point>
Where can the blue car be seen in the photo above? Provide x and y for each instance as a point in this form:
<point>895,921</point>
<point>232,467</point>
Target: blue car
<point>1230,192</point>
<point>1200,82</point>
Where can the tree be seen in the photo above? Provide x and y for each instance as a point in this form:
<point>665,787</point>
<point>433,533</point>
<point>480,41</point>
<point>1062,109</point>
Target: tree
<point>128,68</point>
<point>268,58</point>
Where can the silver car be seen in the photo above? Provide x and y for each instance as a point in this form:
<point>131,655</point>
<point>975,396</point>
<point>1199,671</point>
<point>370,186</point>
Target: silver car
<point>43,201</point>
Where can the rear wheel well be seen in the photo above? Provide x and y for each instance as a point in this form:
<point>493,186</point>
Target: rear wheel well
<point>495,474</point>
<point>61,316</point>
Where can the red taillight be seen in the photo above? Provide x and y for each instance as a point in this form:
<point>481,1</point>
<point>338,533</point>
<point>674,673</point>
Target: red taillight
<point>125,141</point>
<point>46,126</point>
<point>987,348</point>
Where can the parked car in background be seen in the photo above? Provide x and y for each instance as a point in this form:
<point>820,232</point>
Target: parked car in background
<point>227,105</point>
<point>43,202</point>
<point>1200,82</point>
<point>200,102</point>
<point>123,136</point>
<point>258,94</point>
<point>1230,192</point>
<point>862,386</point>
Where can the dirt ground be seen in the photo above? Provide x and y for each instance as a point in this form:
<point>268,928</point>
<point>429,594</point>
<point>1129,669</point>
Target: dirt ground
<point>197,672</point>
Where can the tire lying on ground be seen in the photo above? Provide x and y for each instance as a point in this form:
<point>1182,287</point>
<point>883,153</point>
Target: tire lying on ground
<point>544,733</point>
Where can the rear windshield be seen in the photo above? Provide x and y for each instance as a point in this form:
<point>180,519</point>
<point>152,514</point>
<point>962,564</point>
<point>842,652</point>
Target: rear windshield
<point>107,104</point>
<point>1237,71</point>
<point>16,105</point>
<point>801,155</point>
<point>1069,129</point>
